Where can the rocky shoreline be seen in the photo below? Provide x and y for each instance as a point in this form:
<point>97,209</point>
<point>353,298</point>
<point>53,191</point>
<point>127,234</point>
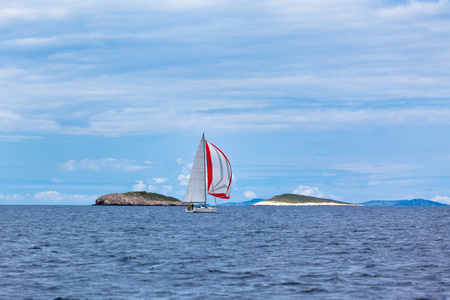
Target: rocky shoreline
<point>137,199</point>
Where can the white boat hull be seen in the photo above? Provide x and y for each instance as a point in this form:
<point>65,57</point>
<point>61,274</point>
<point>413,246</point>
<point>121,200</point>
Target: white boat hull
<point>202,210</point>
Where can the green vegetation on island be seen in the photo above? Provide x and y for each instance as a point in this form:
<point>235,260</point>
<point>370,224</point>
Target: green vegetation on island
<point>151,196</point>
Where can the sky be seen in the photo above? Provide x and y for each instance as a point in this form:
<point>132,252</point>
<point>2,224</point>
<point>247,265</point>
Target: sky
<point>342,99</point>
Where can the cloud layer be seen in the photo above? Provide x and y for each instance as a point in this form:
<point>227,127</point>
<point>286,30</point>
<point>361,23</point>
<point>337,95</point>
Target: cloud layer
<point>105,164</point>
<point>275,65</point>
<point>48,197</point>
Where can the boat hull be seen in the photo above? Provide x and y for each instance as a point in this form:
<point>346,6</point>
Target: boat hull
<point>202,210</point>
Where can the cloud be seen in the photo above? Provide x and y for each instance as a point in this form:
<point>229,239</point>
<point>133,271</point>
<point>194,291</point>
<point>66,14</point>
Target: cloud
<point>104,69</point>
<point>163,189</point>
<point>18,138</point>
<point>124,165</point>
<point>12,198</point>
<point>270,118</point>
<point>388,181</point>
<point>442,199</point>
<point>15,13</point>
<point>184,176</point>
<point>311,191</point>
<point>59,198</point>
<point>414,9</point>
<point>53,196</point>
<point>183,179</point>
<point>376,168</point>
<point>250,195</point>
<point>393,182</point>
<point>328,174</point>
<point>48,197</point>
<point>308,191</point>
<point>139,186</point>
<point>160,180</point>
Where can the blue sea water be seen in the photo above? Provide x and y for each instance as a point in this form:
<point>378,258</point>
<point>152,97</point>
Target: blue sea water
<point>91,252</point>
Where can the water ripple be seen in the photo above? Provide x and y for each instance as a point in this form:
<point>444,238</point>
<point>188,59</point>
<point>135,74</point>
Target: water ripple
<point>84,252</point>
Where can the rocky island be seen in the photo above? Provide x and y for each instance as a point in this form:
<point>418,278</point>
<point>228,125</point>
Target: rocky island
<point>300,200</point>
<point>137,199</point>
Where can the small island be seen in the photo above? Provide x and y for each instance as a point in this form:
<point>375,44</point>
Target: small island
<point>300,200</point>
<point>137,199</point>
<point>413,202</point>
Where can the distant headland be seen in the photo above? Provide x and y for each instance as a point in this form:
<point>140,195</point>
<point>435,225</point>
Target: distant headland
<point>137,199</point>
<point>413,202</point>
<point>300,200</point>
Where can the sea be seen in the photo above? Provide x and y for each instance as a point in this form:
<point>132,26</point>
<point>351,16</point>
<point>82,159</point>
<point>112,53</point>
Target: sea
<point>100,252</point>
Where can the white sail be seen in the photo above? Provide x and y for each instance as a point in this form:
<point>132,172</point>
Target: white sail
<point>219,172</point>
<point>195,192</point>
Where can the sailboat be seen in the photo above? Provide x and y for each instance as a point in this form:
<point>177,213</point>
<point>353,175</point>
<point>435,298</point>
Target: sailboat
<point>211,173</point>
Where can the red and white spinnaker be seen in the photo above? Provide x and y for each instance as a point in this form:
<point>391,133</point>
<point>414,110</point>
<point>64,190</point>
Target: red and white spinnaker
<point>219,172</point>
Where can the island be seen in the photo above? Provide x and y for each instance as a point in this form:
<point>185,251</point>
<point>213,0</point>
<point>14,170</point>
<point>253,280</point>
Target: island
<point>301,200</point>
<point>137,199</point>
<point>413,202</point>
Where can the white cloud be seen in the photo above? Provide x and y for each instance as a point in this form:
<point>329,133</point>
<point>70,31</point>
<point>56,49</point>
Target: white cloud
<point>390,181</point>
<point>137,122</point>
<point>250,119</point>
<point>328,174</point>
<point>160,180</point>
<point>139,186</point>
<point>18,138</point>
<point>185,167</point>
<point>49,196</point>
<point>184,175</point>
<point>376,168</point>
<point>59,198</point>
<point>183,179</point>
<point>117,91</point>
<point>442,199</point>
<point>13,198</point>
<point>414,9</point>
<point>16,13</point>
<point>182,4</point>
<point>104,164</point>
<point>250,195</point>
<point>162,189</point>
<point>31,42</point>
<point>311,191</point>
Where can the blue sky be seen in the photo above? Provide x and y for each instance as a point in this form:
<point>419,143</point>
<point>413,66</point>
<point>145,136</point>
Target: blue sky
<point>342,99</point>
